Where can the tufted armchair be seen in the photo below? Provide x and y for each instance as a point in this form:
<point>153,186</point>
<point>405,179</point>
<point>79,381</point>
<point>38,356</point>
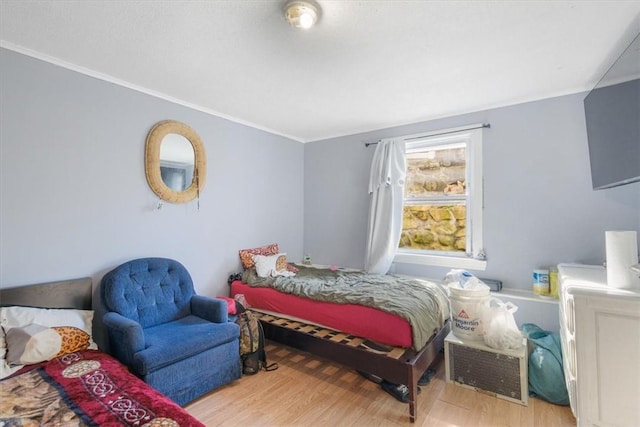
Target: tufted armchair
<point>178,342</point>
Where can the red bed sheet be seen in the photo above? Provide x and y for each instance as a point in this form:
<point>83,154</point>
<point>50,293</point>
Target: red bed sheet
<point>358,320</point>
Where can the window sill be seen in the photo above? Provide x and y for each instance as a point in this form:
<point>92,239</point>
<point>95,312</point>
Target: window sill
<point>441,261</point>
<point>525,295</point>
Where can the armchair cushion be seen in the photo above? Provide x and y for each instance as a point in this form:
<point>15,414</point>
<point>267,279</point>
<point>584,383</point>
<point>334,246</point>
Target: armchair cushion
<point>180,339</point>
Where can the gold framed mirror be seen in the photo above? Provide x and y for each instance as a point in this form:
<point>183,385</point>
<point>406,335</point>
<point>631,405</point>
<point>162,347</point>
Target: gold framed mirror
<point>175,162</point>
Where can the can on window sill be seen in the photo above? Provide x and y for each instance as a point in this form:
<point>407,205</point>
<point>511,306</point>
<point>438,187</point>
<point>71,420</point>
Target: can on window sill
<point>553,282</point>
<point>541,282</point>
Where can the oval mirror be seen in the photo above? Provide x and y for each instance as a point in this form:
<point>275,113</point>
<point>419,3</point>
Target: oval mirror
<point>175,162</point>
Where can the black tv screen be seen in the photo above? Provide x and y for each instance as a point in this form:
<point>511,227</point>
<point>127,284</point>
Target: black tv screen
<point>612,113</point>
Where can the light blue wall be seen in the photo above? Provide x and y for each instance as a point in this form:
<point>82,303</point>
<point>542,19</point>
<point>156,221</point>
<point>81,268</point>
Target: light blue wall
<point>74,200</point>
<point>539,207</point>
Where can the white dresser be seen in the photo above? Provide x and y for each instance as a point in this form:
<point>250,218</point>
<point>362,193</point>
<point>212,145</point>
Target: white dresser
<point>600,332</point>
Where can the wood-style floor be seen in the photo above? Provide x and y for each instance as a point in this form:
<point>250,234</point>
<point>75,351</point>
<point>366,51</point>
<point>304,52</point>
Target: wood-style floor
<point>310,391</point>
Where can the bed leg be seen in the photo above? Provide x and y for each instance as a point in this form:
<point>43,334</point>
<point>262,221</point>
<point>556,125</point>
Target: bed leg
<point>413,396</point>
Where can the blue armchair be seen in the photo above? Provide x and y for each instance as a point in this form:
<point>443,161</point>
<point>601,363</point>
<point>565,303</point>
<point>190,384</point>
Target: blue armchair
<point>178,342</point>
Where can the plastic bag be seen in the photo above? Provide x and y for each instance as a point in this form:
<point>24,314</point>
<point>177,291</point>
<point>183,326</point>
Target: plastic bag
<point>546,371</point>
<point>500,329</point>
<point>462,279</point>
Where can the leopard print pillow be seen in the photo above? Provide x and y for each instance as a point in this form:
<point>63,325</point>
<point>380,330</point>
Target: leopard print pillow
<point>281,262</point>
<point>73,339</point>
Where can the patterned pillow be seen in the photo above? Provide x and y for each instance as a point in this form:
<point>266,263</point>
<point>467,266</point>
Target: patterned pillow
<point>73,339</point>
<point>281,262</point>
<point>31,344</point>
<point>246,255</point>
<point>36,343</point>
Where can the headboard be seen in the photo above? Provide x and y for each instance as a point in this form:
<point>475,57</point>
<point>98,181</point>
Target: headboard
<point>74,293</point>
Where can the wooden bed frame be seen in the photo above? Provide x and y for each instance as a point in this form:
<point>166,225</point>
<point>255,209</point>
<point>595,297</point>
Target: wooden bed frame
<point>401,366</point>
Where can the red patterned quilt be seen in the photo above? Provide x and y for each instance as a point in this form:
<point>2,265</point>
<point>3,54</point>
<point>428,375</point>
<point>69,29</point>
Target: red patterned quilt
<point>87,388</point>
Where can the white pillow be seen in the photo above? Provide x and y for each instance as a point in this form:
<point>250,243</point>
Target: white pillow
<point>267,266</point>
<point>18,317</point>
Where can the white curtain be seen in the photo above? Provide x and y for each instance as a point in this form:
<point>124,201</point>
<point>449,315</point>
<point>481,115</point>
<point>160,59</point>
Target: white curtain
<point>386,186</point>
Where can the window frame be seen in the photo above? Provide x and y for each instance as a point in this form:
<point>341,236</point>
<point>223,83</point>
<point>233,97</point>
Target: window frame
<point>475,257</point>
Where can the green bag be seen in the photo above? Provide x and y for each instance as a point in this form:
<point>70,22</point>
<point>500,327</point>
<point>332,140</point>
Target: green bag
<point>252,353</point>
<point>546,372</point>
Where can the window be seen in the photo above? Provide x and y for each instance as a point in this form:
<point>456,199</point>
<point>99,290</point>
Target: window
<point>442,208</point>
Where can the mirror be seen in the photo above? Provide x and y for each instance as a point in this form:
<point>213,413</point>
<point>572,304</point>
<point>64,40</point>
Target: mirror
<point>175,162</point>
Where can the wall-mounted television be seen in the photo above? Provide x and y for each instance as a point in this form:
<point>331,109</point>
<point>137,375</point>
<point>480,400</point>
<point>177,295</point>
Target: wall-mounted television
<point>612,113</point>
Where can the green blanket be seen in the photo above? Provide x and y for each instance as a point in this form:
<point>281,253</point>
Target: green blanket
<point>423,303</point>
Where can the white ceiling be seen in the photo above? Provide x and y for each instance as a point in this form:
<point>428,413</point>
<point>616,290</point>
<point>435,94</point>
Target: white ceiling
<point>367,64</point>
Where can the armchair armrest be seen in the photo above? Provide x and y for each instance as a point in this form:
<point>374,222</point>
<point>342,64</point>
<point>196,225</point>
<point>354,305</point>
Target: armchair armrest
<point>126,333</point>
<point>211,309</point>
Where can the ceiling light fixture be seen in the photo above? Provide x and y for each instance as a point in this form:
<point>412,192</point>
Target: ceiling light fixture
<point>301,14</point>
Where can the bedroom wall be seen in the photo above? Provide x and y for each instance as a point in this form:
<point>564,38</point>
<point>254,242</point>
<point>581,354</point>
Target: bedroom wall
<point>539,207</point>
<point>74,200</point>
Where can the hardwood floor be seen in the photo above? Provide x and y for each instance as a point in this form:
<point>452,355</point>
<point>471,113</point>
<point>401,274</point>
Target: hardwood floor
<point>310,391</point>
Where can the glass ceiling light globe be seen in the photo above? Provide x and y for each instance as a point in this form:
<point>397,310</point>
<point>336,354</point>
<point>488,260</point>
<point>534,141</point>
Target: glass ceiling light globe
<point>301,14</point>
<point>306,20</point>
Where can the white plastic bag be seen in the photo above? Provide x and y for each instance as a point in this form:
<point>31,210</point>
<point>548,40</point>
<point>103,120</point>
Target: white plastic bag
<point>500,329</point>
<point>462,279</point>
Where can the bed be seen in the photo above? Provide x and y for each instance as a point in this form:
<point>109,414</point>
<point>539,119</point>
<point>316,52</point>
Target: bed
<point>80,385</point>
<point>348,333</point>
